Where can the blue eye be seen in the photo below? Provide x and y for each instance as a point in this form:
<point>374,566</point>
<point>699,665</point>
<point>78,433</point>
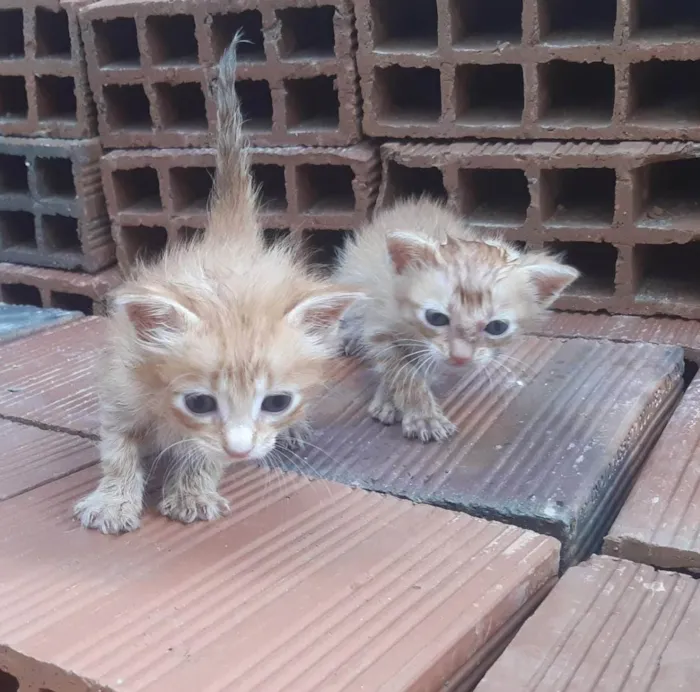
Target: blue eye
<point>497,327</point>
<point>200,404</point>
<point>276,403</point>
<point>436,318</point>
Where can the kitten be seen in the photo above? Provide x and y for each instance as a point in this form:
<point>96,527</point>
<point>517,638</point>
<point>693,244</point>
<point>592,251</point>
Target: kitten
<point>438,294</point>
<point>214,352</point>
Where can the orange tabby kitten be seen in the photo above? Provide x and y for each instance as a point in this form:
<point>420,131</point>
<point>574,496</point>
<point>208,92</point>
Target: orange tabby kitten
<point>214,352</point>
<point>438,294</point>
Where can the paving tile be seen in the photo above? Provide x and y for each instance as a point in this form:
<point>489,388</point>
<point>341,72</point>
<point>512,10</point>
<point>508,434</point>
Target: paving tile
<point>554,455</point>
<point>30,457</point>
<point>49,378</point>
<point>20,320</point>
<point>608,626</point>
<point>306,586</point>
<point>659,522</point>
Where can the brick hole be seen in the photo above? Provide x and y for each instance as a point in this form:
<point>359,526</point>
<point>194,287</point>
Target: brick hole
<point>489,94</point>
<point>11,36</point>
<point>52,34</point>
<point>659,93</point>
<point>567,22</point>
<point>312,104</point>
<point>137,189</point>
<point>666,20</point>
<point>322,247</point>
<point>187,234</point>
<point>182,106</point>
<point>325,189</point>
<point>407,95</point>
<point>667,192</point>
<point>13,98</point>
<point>17,230</point>
<point>668,273</point>
<point>224,28</point>
<point>578,197</point>
<point>172,39</point>
<point>61,233</point>
<point>17,294</point>
<point>143,244</point>
<point>127,107</point>
<point>596,262</point>
<point>256,105</point>
<point>498,197</point>
<point>483,23</point>
<point>55,98</point>
<point>191,188</point>
<point>275,235</point>
<point>116,43</point>
<point>576,94</point>
<point>13,174</point>
<point>395,29</point>
<point>404,182</point>
<point>269,179</point>
<point>308,32</point>
<point>54,178</point>
<point>72,302</point>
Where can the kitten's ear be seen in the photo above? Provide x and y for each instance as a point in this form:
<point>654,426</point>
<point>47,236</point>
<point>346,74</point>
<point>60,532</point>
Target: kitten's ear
<point>549,278</point>
<point>156,318</point>
<point>319,313</point>
<point>406,249</point>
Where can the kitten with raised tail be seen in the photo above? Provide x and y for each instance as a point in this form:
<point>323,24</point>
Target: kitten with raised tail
<point>438,294</point>
<point>214,353</point>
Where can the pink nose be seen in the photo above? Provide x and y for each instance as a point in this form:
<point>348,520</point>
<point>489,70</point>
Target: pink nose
<point>459,360</point>
<point>238,454</point>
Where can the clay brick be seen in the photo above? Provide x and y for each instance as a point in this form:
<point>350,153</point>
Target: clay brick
<point>658,523</point>
<point>160,196</point>
<point>17,321</point>
<point>610,626</point>
<point>43,76</point>
<point>623,213</point>
<point>552,443</point>
<point>314,585</point>
<point>31,457</point>
<point>151,63</point>
<point>52,207</point>
<point>531,69</point>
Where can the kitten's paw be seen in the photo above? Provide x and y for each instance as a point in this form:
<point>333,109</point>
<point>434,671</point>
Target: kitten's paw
<point>428,428</point>
<point>385,412</point>
<point>191,507</point>
<point>108,513</point>
<point>295,437</point>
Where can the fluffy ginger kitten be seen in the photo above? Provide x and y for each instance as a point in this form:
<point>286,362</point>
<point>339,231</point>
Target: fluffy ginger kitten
<point>438,294</point>
<point>214,353</point>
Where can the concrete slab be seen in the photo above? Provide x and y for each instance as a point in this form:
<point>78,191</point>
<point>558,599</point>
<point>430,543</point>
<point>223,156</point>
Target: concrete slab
<point>20,320</point>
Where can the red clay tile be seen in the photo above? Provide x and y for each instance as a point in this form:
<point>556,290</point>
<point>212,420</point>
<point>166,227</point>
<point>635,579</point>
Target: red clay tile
<point>552,447</point>
<point>659,521</point>
<point>49,378</point>
<point>305,586</point>
<point>608,626</point>
<point>30,457</point>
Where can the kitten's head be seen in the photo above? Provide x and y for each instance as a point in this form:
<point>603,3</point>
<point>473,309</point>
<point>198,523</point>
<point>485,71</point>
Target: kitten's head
<point>467,298</point>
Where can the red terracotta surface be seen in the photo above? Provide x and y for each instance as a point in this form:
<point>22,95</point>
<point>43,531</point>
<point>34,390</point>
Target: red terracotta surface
<point>608,626</point>
<point>306,586</point>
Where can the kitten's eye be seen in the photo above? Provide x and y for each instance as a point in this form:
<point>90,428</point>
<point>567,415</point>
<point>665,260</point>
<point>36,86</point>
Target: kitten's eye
<point>436,318</point>
<point>276,403</point>
<point>497,327</point>
<point>200,404</point>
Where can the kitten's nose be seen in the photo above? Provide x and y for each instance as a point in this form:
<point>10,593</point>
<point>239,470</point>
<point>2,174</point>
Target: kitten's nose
<point>239,442</point>
<point>238,454</point>
<point>459,360</point>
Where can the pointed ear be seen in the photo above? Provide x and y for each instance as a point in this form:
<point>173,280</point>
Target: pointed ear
<point>320,313</point>
<point>549,279</point>
<point>406,249</point>
<point>156,319</point>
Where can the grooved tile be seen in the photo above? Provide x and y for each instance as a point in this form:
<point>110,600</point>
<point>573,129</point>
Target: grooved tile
<point>608,626</point>
<point>306,586</point>
<point>552,446</point>
<point>659,522</point>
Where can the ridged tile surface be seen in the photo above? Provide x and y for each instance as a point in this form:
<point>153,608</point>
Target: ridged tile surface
<point>608,626</point>
<point>660,521</point>
<point>49,378</point>
<point>551,446</point>
<point>307,585</point>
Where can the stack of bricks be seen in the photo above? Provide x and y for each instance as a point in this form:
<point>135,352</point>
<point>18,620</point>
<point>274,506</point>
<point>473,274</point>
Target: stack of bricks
<point>56,247</point>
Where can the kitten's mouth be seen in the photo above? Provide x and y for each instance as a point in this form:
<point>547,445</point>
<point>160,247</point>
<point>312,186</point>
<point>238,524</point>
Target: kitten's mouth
<point>459,361</point>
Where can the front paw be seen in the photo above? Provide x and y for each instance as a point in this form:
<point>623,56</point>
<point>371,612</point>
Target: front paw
<point>190,507</point>
<point>108,513</point>
<point>295,437</point>
<point>385,412</point>
<point>427,428</point>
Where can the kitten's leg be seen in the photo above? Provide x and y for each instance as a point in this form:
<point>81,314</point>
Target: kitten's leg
<point>116,505</point>
<point>296,435</point>
<point>382,407</point>
<point>191,491</point>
